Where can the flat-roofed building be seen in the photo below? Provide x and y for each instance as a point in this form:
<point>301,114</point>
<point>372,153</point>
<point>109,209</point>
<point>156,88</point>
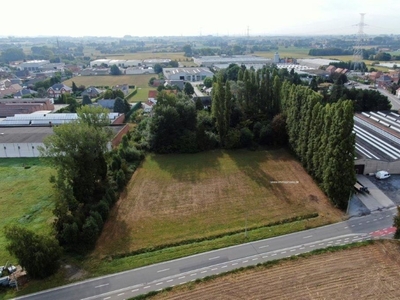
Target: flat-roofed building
<point>377,142</point>
<point>187,74</point>
<point>210,61</point>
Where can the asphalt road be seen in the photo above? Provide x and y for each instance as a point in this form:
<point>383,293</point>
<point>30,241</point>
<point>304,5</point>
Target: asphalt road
<point>392,98</point>
<point>158,276</point>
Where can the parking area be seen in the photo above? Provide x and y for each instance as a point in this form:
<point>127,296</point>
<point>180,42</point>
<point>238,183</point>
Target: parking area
<point>390,187</point>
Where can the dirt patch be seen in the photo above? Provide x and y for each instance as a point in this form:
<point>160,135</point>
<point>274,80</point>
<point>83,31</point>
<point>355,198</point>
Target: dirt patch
<point>369,272</point>
<point>73,273</point>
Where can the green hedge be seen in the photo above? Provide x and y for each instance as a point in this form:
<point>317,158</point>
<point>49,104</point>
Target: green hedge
<point>130,95</point>
<point>212,237</point>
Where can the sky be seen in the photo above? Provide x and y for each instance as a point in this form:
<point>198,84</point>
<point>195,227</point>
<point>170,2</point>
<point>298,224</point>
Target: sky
<point>193,18</point>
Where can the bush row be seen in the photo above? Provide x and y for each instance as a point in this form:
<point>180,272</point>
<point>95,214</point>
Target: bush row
<point>213,237</point>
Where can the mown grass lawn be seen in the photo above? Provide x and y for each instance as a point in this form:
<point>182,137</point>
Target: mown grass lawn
<point>26,197</point>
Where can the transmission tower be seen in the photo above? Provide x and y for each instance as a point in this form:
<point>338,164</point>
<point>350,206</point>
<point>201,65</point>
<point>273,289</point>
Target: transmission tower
<point>358,51</point>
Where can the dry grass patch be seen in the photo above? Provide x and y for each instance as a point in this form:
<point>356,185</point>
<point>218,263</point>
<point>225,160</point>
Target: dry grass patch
<point>369,272</point>
<point>137,80</point>
<point>172,198</point>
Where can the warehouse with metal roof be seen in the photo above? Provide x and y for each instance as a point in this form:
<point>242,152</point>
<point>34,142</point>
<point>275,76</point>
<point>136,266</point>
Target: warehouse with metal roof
<point>377,142</point>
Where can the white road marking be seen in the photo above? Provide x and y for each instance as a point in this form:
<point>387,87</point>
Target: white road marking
<point>194,274</point>
<point>146,287</point>
<point>245,261</point>
<point>352,225</point>
<point>346,227</point>
<point>170,280</point>
<point>388,216</point>
<point>181,277</point>
<point>375,219</point>
<point>120,294</point>
<point>202,272</point>
<point>214,269</point>
<point>301,248</point>
<point>159,271</point>
<point>265,256</point>
<point>159,283</point>
<point>98,286</point>
<point>234,264</point>
<point>321,244</point>
<point>214,258</point>
<point>158,290</point>
<point>135,290</point>
<point>255,258</point>
<point>312,246</point>
<point>263,246</point>
<point>283,252</point>
<point>273,254</point>
<point>107,298</point>
<point>183,282</point>
<point>223,267</point>
<point>292,250</point>
<point>307,237</point>
<point>359,223</point>
<point>367,222</point>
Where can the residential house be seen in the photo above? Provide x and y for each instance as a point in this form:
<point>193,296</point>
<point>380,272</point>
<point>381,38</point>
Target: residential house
<point>178,83</point>
<point>10,90</point>
<point>92,92</point>
<point>148,106</point>
<point>373,76</point>
<point>152,95</point>
<point>107,103</point>
<point>25,92</point>
<point>384,81</point>
<point>331,69</point>
<point>123,87</point>
<point>58,89</point>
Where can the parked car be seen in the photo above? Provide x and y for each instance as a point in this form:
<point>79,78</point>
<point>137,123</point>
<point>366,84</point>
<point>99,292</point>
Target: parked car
<point>382,174</point>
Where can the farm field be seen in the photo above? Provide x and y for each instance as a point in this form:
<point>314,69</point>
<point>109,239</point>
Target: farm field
<point>25,198</point>
<point>137,80</point>
<point>173,198</point>
<point>367,272</point>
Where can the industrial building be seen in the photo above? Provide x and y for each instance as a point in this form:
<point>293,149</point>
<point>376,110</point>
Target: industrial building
<point>210,61</point>
<point>21,135</point>
<point>187,74</point>
<point>377,142</point>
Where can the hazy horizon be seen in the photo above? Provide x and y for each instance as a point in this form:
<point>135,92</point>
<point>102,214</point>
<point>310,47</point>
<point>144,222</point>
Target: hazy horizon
<point>178,18</point>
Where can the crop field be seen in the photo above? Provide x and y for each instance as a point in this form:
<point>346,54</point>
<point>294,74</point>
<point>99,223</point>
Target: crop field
<point>25,198</point>
<point>286,52</point>
<point>173,198</point>
<point>368,272</point>
<point>137,80</point>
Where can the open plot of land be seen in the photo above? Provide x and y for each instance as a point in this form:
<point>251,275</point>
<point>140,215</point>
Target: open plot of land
<point>137,80</point>
<point>368,272</point>
<point>172,198</point>
<point>25,198</point>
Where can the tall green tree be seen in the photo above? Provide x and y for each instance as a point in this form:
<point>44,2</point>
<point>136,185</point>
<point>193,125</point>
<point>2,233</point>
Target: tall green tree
<point>39,255</point>
<point>396,223</point>
<point>115,70</point>
<point>188,89</point>
<point>77,151</point>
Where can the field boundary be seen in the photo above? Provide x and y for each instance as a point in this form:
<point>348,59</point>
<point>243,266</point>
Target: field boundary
<point>212,237</point>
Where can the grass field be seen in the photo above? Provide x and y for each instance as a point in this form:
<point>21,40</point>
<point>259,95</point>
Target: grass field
<point>25,198</point>
<point>368,272</point>
<point>137,80</point>
<point>293,52</point>
<point>177,197</point>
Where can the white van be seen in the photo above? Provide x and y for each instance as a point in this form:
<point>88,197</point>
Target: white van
<point>382,174</point>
